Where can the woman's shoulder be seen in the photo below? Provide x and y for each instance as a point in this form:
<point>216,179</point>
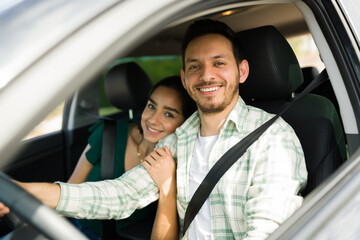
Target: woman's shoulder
<point>134,132</point>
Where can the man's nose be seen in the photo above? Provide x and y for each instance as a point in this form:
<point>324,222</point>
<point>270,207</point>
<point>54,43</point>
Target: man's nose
<point>207,73</point>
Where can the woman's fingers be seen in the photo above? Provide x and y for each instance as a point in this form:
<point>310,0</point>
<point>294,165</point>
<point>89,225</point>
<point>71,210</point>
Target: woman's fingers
<point>167,150</point>
<point>3,210</point>
<point>157,157</point>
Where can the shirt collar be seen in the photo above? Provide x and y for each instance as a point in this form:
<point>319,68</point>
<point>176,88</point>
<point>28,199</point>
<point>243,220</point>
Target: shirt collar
<point>192,124</point>
<point>237,117</point>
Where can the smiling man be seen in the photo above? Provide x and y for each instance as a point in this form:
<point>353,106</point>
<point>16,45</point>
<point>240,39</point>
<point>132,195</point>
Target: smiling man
<point>255,195</point>
<point>260,190</point>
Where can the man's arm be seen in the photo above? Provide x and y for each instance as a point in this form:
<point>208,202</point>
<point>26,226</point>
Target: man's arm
<point>109,199</point>
<point>116,199</point>
<point>47,193</point>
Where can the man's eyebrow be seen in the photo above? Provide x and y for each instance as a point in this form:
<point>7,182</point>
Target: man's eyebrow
<point>221,56</point>
<point>190,60</point>
<point>166,107</point>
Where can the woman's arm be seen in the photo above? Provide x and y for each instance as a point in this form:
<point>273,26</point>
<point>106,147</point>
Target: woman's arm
<point>161,167</point>
<point>82,169</point>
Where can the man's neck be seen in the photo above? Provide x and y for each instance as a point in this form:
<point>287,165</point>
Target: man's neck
<point>211,123</point>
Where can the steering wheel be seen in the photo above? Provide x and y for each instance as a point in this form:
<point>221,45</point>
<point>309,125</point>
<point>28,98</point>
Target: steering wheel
<point>36,214</point>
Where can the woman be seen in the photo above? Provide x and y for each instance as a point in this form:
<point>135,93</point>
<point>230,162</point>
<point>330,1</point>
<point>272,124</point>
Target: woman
<point>167,108</point>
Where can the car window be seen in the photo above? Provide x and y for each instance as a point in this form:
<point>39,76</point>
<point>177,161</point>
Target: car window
<point>156,67</point>
<point>306,51</point>
<point>51,123</point>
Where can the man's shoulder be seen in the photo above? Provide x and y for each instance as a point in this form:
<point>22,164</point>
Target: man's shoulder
<point>260,116</point>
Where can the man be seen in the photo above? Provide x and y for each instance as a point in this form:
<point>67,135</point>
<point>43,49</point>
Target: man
<point>253,197</point>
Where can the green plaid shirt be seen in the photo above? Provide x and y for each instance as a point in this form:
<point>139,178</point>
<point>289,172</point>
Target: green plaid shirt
<point>249,202</point>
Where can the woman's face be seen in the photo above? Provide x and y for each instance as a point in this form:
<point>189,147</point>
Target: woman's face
<point>162,114</point>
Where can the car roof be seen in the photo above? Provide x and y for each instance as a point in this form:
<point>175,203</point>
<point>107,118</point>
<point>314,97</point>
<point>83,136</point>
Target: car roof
<point>33,27</point>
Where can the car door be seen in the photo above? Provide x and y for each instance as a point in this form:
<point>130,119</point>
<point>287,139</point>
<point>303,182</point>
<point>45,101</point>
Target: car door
<point>48,150</point>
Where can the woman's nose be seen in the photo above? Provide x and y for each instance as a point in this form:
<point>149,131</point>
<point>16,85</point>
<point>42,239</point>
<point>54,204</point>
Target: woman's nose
<point>154,118</point>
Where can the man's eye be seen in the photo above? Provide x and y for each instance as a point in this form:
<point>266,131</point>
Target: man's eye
<point>219,63</point>
<point>192,67</point>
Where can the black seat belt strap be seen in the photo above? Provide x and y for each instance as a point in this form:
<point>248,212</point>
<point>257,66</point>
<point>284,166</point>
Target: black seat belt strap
<point>107,169</point>
<point>233,154</point>
<point>108,150</point>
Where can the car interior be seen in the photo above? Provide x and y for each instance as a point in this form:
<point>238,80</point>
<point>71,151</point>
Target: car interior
<point>276,79</point>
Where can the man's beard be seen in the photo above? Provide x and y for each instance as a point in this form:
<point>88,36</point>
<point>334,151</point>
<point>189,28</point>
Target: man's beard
<point>210,107</point>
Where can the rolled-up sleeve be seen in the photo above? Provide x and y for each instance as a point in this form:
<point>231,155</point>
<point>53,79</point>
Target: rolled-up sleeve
<point>109,199</point>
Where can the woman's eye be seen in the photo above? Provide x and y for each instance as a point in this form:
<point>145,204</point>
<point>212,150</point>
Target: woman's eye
<point>150,106</point>
<point>167,114</point>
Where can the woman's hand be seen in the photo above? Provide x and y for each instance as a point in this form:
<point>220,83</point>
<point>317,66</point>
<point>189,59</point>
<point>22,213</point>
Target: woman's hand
<point>161,167</point>
<point>3,210</point>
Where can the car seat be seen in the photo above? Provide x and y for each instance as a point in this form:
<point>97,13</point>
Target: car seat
<point>127,87</point>
<point>325,89</point>
<point>309,73</point>
<point>274,76</point>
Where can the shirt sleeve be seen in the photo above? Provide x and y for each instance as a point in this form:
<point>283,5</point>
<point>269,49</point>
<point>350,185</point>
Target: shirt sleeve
<point>279,174</point>
<point>109,199</point>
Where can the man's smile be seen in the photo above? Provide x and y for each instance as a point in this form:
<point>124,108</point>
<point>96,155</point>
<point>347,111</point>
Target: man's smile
<point>209,89</point>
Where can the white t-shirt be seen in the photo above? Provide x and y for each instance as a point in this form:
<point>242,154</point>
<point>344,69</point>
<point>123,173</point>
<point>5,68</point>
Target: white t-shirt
<point>200,227</point>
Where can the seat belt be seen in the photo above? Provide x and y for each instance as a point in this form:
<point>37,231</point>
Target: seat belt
<point>234,153</point>
<point>107,169</point>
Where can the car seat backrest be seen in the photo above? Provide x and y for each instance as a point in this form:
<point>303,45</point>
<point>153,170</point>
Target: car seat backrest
<point>309,73</point>
<point>325,89</point>
<point>127,87</point>
<point>274,76</point>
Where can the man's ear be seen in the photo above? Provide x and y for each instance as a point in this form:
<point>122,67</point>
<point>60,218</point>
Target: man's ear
<point>182,75</point>
<point>244,70</point>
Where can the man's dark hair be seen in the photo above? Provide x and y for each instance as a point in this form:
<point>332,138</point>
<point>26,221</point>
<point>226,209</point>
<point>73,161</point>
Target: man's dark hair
<point>203,27</point>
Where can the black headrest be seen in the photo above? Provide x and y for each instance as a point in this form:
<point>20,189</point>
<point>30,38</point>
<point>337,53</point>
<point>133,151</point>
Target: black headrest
<point>127,86</point>
<point>274,69</point>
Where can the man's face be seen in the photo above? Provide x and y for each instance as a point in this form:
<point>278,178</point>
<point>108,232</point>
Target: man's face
<point>211,75</point>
